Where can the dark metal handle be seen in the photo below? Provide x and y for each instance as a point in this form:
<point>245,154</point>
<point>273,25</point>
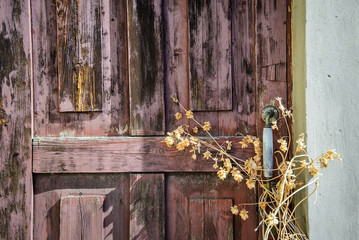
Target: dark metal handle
<point>269,113</point>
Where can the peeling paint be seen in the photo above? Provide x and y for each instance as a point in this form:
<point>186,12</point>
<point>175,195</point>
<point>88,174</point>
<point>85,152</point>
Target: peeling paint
<point>68,133</point>
<point>15,135</point>
<point>146,68</point>
<point>79,55</point>
<point>122,130</point>
<point>147,206</point>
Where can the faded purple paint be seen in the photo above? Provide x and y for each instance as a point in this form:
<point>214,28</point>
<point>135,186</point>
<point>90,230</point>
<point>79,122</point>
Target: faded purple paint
<point>15,108</point>
<point>258,68</point>
<point>114,118</point>
<point>120,154</point>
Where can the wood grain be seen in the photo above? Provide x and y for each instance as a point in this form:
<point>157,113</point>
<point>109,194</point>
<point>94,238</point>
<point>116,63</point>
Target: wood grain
<point>242,120</point>
<point>114,118</point>
<point>59,198</point>
<point>79,30</point>
<point>272,63</point>
<point>81,217</point>
<point>272,58</point>
<point>218,219</point>
<point>271,41</point>
<point>211,219</point>
<point>196,216</point>
<point>146,68</point>
<point>15,108</point>
<point>126,154</point>
<point>210,55</point>
<point>176,59</point>
<point>193,198</point>
<point>147,199</point>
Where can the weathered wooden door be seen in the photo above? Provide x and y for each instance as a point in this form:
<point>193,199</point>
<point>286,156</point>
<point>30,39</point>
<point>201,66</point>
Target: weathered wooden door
<point>104,72</point>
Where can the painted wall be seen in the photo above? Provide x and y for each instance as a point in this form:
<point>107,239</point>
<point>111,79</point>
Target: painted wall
<point>332,113</point>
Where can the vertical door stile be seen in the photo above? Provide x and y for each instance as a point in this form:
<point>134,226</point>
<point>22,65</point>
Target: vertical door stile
<point>176,59</point>
<point>147,206</point>
<point>15,120</point>
<point>146,70</point>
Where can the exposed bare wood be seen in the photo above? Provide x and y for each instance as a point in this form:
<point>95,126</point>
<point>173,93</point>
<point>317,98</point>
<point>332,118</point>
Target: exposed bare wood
<point>114,118</point>
<point>210,55</point>
<point>79,29</point>
<point>60,197</point>
<point>126,154</point>
<point>15,128</point>
<point>146,69</point>
<point>147,199</point>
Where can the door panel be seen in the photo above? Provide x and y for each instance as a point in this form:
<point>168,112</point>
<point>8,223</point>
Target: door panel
<point>79,55</point>
<point>112,85</point>
<point>147,209</point>
<point>68,206</point>
<point>81,217</point>
<point>229,84</point>
<point>210,55</point>
<point>103,105</point>
<point>198,206</point>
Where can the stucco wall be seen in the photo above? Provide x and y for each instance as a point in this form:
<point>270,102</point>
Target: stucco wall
<point>332,114</point>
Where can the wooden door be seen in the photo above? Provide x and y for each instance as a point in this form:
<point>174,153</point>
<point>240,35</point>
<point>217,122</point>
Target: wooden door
<point>104,72</point>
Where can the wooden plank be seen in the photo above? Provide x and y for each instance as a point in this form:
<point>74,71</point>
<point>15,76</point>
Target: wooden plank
<point>176,59</point>
<point>147,220</point>
<point>218,219</point>
<point>125,154</point>
<point>79,55</point>
<point>211,219</point>
<point>51,190</point>
<point>118,87</point>
<point>271,37</point>
<point>242,120</point>
<point>272,42</point>
<point>184,189</point>
<point>81,217</point>
<point>146,68</point>
<point>197,216</point>
<point>210,55</point>
<point>272,54</point>
<point>15,132</point>
<point>114,118</point>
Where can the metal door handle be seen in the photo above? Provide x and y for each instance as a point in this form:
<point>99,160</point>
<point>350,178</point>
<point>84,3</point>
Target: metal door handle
<point>269,113</point>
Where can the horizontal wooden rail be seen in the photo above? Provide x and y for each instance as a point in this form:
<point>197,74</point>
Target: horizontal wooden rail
<point>119,154</point>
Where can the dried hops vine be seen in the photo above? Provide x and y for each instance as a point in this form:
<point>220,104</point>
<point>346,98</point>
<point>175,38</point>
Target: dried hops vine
<point>276,200</point>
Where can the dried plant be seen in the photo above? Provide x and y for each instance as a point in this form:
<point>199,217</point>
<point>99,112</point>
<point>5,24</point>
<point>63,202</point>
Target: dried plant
<point>276,201</point>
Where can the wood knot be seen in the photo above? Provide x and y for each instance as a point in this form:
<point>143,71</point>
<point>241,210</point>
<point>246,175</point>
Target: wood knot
<point>177,51</point>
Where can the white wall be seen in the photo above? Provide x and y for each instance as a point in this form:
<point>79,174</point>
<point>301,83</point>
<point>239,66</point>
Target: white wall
<point>332,114</point>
